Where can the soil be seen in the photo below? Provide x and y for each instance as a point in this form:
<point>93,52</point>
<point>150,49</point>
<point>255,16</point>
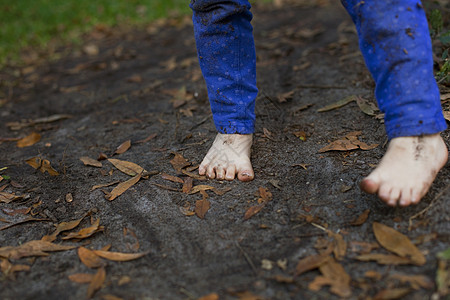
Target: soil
<point>127,92</point>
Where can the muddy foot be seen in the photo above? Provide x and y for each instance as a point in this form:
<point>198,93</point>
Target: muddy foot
<point>407,170</point>
<point>229,155</point>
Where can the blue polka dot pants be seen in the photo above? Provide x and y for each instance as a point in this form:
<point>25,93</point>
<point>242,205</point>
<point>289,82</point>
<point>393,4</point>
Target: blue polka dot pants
<point>394,40</point>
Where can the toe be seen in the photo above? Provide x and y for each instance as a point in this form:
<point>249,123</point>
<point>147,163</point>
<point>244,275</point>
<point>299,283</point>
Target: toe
<point>406,197</point>
<point>220,173</point>
<point>369,185</point>
<point>384,193</point>
<point>202,169</point>
<point>211,173</point>
<point>394,196</point>
<point>231,172</point>
<point>246,174</point>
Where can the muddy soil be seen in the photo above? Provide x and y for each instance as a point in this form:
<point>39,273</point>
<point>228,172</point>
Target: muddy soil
<point>127,92</point>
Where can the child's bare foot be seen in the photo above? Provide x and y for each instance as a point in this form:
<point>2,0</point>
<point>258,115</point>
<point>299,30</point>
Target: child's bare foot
<point>407,170</point>
<point>229,155</point>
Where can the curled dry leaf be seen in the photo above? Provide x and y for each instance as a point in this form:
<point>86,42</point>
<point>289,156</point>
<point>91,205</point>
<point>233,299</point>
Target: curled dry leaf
<point>123,147</point>
<point>127,167</point>
<point>171,178</point>
<point>104,185</point>
<point>31,248</point>
<point>187,185</point>
<point>89,258</point>
<point>310,263</point>
<point>333,274</point>
<point>340,246</point>
<point>389,294</point>
<point>185,211</point>
<point>361,219</point>
<point>122,187</point>
<point>119,256</point>
<point>97,282</point>
<point>111,297</point>
<point>42,165</point>
<point>194,175</point>
<point>347,143</point>
<point>179,162</point>
<point>285,96</point>
<point>29,140</point>
<point>212,296</point>
<point>253,210</point>
<point>416,281</point>
<point>81,277</point>
<point>85,232</point>
<point>63,226</point>
<point>9,269</point>
<point>265,197</point>
<point>9,197</point>
<point>87,161</point>
<point>384,259</point>
<point>338,104</point>
<point>398,243</point>
<point>202,206</point>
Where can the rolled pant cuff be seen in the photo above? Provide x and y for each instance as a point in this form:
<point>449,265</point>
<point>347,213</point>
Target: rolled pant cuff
<point>413,128</point>
<point>235,127</point>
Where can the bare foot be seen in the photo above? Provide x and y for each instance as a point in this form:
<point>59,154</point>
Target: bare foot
<point>407,170</point>
<point>229,155</point>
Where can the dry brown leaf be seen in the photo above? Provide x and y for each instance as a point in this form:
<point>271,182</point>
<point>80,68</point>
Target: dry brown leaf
<point>347,143</point>
<point>187,185</point>
<point>265,195</point>
<point>87,161</point>
<point>200,187</point>
<point>366,106</point>
<point>111,297</point>
<point>384,259</point>
<point>9,197</point>
<point>42,165</point>
<point>335,276</point>
<point>310,263</point>
<point>147,139</point>
<point>392,294</point>
<point>363,247</point>
<point>212,296</point>
<point>398,243</point>
<point>285,96</point>
<point>248,296</point>
<point>340,246</point>
<point>123,187</point>
<point>123,147</point>
<point>135,78</point>
<point>416,281</point>
<point>179,162</point>
<point>118,256</point>
<point>126,167</point>
<point>49,119</point>
<point>63,226</point>
<point>89,258</point>
<point>253,210</point>
<point>104,185</point>
<point>85,232</point>
<point>194,175</point>
<point>202,206</point>
<point>446,115</point>
<point>81,277</point>
<point>29,140</point>
<point>445,97</point>
<point>96,283</point>
<point>124,280</point>
<point>338,104</point>
<point>31,248</point>
<point>171,178</point>
<point>361,219</point>
<point>9,269</point>
<point>373,274</point>
<point>186,211</point>
<point>169,188</point>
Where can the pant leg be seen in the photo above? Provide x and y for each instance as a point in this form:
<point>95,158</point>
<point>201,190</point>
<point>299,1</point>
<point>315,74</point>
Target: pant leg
<point>226,51</point>
<point>396,45</point>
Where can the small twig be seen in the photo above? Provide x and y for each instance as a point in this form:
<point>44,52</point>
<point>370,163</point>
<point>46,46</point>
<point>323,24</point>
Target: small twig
<point>420,213</point>
<point>187,293</point>
<point>249,260</point>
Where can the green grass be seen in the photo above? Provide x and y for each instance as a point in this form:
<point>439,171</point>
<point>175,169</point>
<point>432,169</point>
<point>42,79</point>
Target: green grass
<point>33,23</point>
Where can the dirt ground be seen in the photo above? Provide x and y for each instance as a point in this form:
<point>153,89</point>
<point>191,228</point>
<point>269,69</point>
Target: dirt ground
<point>145,82</point>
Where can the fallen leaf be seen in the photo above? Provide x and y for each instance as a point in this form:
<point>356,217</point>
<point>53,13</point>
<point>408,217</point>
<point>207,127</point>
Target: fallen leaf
<point>416,281</point>
<point>253,210</point>
<point>285,96</point>
<point>87,161</point>
<point>212,296</point>
<point>268,134</point>
<point>384,259</point>
<point>147,139</point>
<point>171,178</point>
<point>119,256</point>
<point>333,274</point>
<point>340,246</point>
<point>9,269</point>
<point>85,232</point>
<point>9,197</point>
<point>81,277</point>
<point>124,280</point>
<point>104,185</point>
<point>202,206</point>
<point>186,211</point>
<point>347,143</point>
<point>300,134</point>
<point>169,188</point>
<point>42,165</point>
<point>310,263</point>
<point>248,296</point>
<point>265,197</point>
<point>443,278</point>
<point>49,119</point>
<point>127,167</point>
<point>29,140</point>
<point>391,294</point>
<point>361,219</point>
<point>398,243</point>
<point>373,274</point>
<point>63,226</point>
<point>363,247</point>
<point>366,106</point>
<point>97,281</point>
<point>31,248</point>
<point>194,175</point>
<point>89,258</point>
<point>338,104</point>
<point>123,147</point>
<point>135,79</point>
<point>123,187</point>
<point>187,185</point>
<point>179,162</point>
